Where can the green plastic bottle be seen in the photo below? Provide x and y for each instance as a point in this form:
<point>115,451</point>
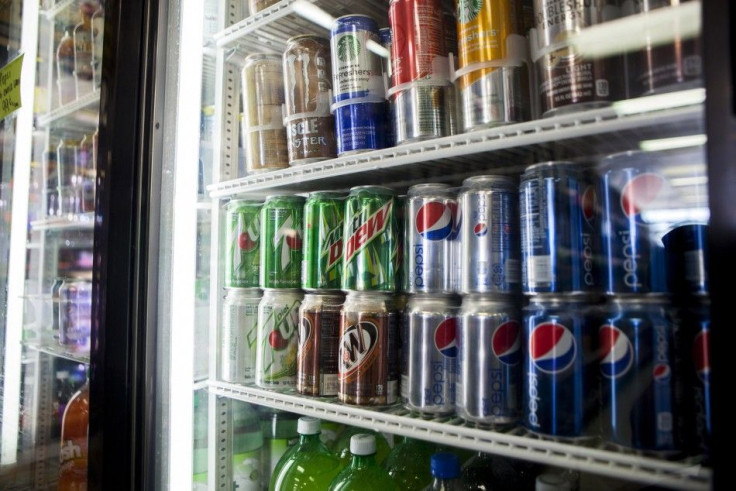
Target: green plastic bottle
<point>408,464</point>
<point>342,445</point>
<point>363,473</point>
<point>308,465</point>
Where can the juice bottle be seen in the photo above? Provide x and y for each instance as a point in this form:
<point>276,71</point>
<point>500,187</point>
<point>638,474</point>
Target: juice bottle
<point>73,451</point>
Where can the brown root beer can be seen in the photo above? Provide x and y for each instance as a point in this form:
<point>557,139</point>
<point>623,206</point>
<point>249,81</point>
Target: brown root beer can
<point>368,363</point>
<point>318,336</point>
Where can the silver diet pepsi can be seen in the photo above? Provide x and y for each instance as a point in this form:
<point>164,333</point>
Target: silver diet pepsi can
<point>489,376</point>
<point>489,236</point>
<point>432,215</point>
<point>429,348</point>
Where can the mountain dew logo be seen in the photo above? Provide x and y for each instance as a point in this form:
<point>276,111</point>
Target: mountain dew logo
<point>365,233</point>
<point>348,47</point>
<point>286,238</point>
<point>468,10</point>
<point>331,252</point>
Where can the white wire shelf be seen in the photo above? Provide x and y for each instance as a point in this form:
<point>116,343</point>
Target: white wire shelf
<point>57,7</point>
<point>506,149</point>
<point>58,351</point>
<point>82,113</point>
<point>515,444</point>
<point>85,221</point>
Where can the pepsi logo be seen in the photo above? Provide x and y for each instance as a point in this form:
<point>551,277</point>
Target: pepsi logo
<point>701,356</point>
<point>456,220</point>
<point>357,343</point>
<point>617,354</point>
<point>434,221</point>
<point>480,229</point>
<point>640,192</point>
<point>506,343</point>
<point>445,338</point>
<point>552,347</point>
<point>661,372</point>
<point>588,203</point>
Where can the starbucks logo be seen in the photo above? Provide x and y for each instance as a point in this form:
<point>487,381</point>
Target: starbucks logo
<point>348,48</point>
<point>467,10</point>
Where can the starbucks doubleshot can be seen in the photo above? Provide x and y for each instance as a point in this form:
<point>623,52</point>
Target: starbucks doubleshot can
<point>323,243</point>
<point>281,244</point>
<point>242,239</point>
<point>238,335</point>
<point>319,332</point>
<point>276,351</point>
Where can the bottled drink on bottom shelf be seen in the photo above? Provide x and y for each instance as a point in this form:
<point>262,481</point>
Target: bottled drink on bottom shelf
<point>445,468</point>
<point>408,464</point>
<point>342,445</point>
<point>307,465</point>
<point>279,434</point>
<point>247,442</point>
<point>486,472</point>
<point>73,450</point>
<point>364,473</point>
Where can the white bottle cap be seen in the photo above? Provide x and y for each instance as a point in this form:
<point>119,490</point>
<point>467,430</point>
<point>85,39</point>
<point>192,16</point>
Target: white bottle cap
<point>308,426</point>
<point>362,444</point>
<point>552,482</point>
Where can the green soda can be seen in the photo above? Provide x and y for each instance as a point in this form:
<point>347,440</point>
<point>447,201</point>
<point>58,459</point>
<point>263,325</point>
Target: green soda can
<point>281,244</point>
<point>371,240</point>
<point>323,228</point>
<point>276,350</point>
<point>242,239</point>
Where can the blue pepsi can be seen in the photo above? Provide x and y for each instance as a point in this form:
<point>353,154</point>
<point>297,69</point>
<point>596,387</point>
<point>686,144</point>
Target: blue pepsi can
<point>489,235</point>
<point>488,383</point>
<point>687,260</point>
<point>560,380</point>
<point>429,348</point>
<point>559,229</point>
<point>429,238</point>
<point>695,349</point>
<point>360,127</point>
<point>640,388</point>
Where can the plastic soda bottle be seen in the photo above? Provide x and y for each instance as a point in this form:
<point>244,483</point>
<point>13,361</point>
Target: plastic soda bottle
<point>279,433</point>
<point>308,464</point>
<point>73,451</point>
<point>364,473</point>
<point>247,444</point>
<point>445,472</point>
<point>342,445</point>
<point>408,464</point>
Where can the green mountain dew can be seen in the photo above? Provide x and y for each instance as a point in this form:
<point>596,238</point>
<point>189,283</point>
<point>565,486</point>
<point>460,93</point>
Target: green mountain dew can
<point>371,240</point>
<point>323,228</point>
<point>281,241</point>
<point>276,351</point>
<point>242,239</point>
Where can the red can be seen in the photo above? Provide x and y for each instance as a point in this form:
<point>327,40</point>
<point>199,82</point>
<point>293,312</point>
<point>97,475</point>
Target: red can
<point>418,38</point>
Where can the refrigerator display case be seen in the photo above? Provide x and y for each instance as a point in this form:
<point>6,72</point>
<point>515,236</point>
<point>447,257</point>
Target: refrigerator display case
<point>204,169</point>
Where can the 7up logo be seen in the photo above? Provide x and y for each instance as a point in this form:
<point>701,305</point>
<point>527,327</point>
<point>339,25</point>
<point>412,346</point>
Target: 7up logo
<point>348,47</point>
<point>468,10</point>
<point>287,238</point>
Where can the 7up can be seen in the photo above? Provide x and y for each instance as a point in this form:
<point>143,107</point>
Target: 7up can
<point>242,233</point>
<point>281,247</point>
<point>323,228</point>
<point>278,322</point>
<point>238,335</point>
<point>371,240</point>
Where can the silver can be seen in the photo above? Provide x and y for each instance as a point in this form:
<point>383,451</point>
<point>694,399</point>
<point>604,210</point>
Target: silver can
<point>276,351</point>
<point>422,112</point>
<point>429,348</point>
<point>429,238</point>
<point>319,333</point>
<point>238,335</point>
<point>489,376</point>
<point>489,250</point>
<point>496,97</point>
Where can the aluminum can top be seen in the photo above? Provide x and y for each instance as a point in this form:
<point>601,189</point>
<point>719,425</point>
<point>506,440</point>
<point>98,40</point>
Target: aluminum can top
<point>373,189</point>
<point>326,195</point>
<point>346,22</point>
<point>285,197</point>
<point>313,37</point>
<point>429,188</point>
<point>255,57</point>
<point>479,182</point>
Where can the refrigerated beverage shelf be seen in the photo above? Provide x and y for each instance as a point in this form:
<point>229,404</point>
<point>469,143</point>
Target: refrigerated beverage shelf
<point>59,352</point>
<point>85,221</point>
<point>57,7</point>
<point>626,125</point>
<point>81,113</point>
<point>517,443</point>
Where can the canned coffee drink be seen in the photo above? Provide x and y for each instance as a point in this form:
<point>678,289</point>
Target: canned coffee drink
<point>319,333</point>
<point>368,359</point>
<point>276,351</point>
<point>356,70</point>
<point>310,139</point>
<point>238,335</point>
<point>429,348</point>
<point>489,377</point>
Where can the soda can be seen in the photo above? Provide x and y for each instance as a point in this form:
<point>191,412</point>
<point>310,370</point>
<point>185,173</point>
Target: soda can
<point>323,229</point>
<point>489,235</point>
<point>429,346</point>
<point>242,239</point>
<point>429,237</point>
<point>641,390</point>
<point>360,127</point>
<point>386,39</point>
<point>319,333</point>
<point>559,229</point>
<point>695,353</point>
<point>370,257</point>
<point>488,383</point>
<point>307,76</point>
<point>356,70</point>
<point>368,359</point>
<point>265,149</point>
<point>282,218</point>
<point>687,260</point>
<point>276,351</point>
<point>560,361</point>
<point>660,68</point>
<point>75,314</point>
<point>238,335</point>
<point>422,112</point>
<point>310,139</point>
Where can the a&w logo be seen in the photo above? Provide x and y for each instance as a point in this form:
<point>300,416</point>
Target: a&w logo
<point>362,232</point>
<point>333,246</point>
<point>348,48</point>
<point>357,344</point>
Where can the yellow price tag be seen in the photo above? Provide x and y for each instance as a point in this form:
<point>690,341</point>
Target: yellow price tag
<point>10,86</point>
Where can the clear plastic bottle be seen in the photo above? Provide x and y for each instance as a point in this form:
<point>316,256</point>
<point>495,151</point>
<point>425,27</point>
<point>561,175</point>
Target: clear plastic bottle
<point>408,464</point>
<point>445,472</point>
<point>65,69</point>
<point>363,473</point>
<point>83,49</point>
